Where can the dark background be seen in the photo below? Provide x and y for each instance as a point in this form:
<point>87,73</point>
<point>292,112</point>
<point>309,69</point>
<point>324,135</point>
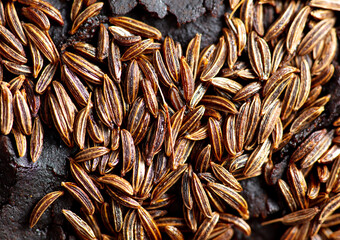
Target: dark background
<point>23,183</point>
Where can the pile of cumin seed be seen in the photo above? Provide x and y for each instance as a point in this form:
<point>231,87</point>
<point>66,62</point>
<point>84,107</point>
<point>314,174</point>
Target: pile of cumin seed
<point>149,119</point>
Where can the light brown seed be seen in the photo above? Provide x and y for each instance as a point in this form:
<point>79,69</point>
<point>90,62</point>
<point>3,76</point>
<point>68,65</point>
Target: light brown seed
<point>36,142</point>
<point>305,118</point>
<point>37,17</point>
<point>315,35</point>
<point>298,185</point>
<point>22,113</point>
<point>269,120</point>
<point>136,49</point>
<point>136,27</point>
<point>103,43</point>
<point>280,23</point>
<point>171,58</point>
<point>257,158</point>
<point>14,23</point>
<point>226,177</point>
<point>20,141</point>
<point>247,14</point>
<point>239,223</point>
<point>80,125</point>
<point>113,99</point>
<point>327,4</point>
<point>192,53</point>
<point>207,227</point>
<point>90,72</point>
<point>124,37</point>
<point>117,182</point>
<point>6,109</point>
<point>42,205</point>
<point>149,224</point>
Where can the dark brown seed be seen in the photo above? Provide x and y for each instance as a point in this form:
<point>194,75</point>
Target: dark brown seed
<point>85,181</point>
<point>188,81</point>
<point>11,40</point>
<point>36,142</point>
<point>215,134</point>
<point>113,99</point>
<point>46,78</point>
<point>114,62</point>
<point>219,103</point>
<point>90,11</point>
<point>200,196</point>
<point>132,82</point>
<point>226,177</point>
<point>129,151</point>
<point>78,194</point>
<point>207,226</point>
<point>14,23</point>
<point>136,49</point>
<point>42,205</point>
<point>22,113</point>
<point>81,227</point>
<point>161,69</point>
<point>6,109</point>
<point>37,17</point>
<point>103,43</point>
<point>124,37</point>
<point>117,182</point>
<point>149,224</point>
<point>192,54</point>
<point>239,223</point>
<point>171,58</point>
<point>17,69</point>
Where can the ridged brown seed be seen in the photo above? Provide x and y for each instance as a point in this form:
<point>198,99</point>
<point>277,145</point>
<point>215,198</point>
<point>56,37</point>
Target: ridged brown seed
<point>285,190</point>
<point>231,197</point>
<point>298,185</point>
<point>13,21</point>
<point>156,138</point>
<point>217,62</point>
<point>219,103</point>
<point>268,121</point>
<point>114,62</point>
<point>128,150</point>
<point>207,226</point>
<point>324,76</point>
<point>231,42</point>
<point>90,11</point>
<point>6,109</point>
<point>277,133</point>
<point>280,74</point>
<point>188,81</point>
<point>327,210</point>
<point>331,154</point>
<point>191,119</point>
<point>150,96</point>
<point>117,183</point>
<point>171,58</point>
<point>192,53</point>
<point>315,35</point>
<point>201,90</point>
<point>37,59</point>
<point>229,132</point>
<point>20,140</point>
<point>318,150</point>
<point>174,233</point>
<point>66,104</point>
<point>85,182</point>
<point>182,151</point>
<point>257,158</point>
<point>90,72</point>
<point>75,9</point>
<point>305,118</point>
<point>59,119</point>
<point>161,69</point>
<point>199,134</point>
<point>205,58</point>
<point>10,54</point>
<point>138,171</point>
<point>123,36</point>
<point>10,39</point>
<point>148,71</point>
<point>215,134</point>
<point>136,49</point>
<point>94,129</point>
<point>17,69</point>
<point>296,29</point>
<point>238,222</point>
<point>186,188</point>
<point>167,182</point>
<point>241,35</point>
<point>280,23</point>
<point>81,227</point>
<point>129,224</point>
<point>136,27</point>
<point>305,85</point>
<point>328,52</point>
<point>36,142</point>
<point>226,84</point>
<point>200,196</point>
<point>114,100</point>
<point>149,224</point>
<point>22,113</point>
<point>247,91</point>
<point>42,205</point>
<point>41,40</point>
<point>106,216</point>
<point>132,82</point>
<point>103,43</point>
<point>37,17</point>
<point>296,217</point>
<point>102,108</point>
<point>333,175</point>
<point>147,184</point>
<point>247,15</point>
<point>122,198</point>
<point>171,136</point>
<point>80,125</point>
<point>308,145</point>
<point>253,118</point>
<point>225,177</point>
<point>46,78</point>
<point>78,194</point>
<point>242,125</point>
<point>326,4</point>
<point>75,86</point>
<point>258,19</point>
